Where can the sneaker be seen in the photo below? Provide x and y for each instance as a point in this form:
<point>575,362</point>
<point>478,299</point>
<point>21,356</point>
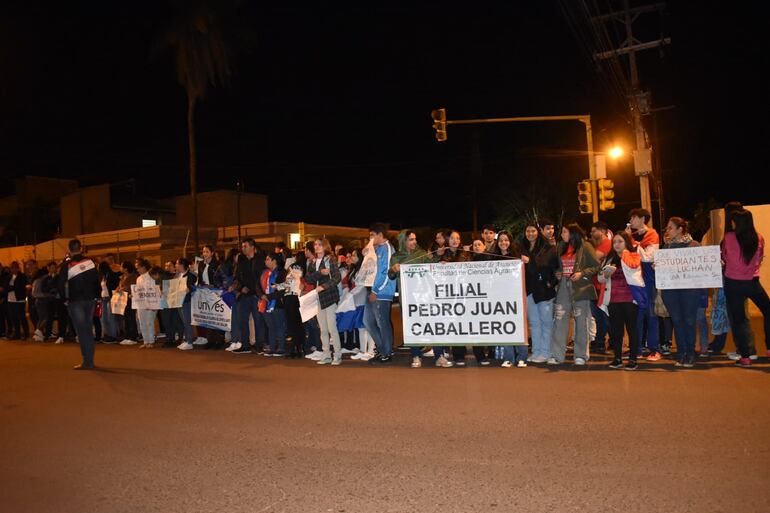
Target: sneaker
<point>365,357</point>
<point>37,334</point>
<point>679,362</point>
<point>160,335</point>
<point>337,361</point>
<point>506,364</point>
<point>689,362</point>
<point>357,356</point>
<point>185,346</point>
<point>278,354</point>
<point>348,351</point>
<point>146,346</point>
<point>737,356</point>
<point>59,341</point>
<point>537,359</point>
<point>315,355</point>
<point>461,363</point>
<point>324,361</point>
<point>124,342</point>
<point>443,362</point>
<point>616,364</point>
<point>233,346</point>
<point>521,364</point>
<point>416,362</point>
<point>665,349</point>
<point>381,359</point>
<point>653,357</point>
<point>743,362</point>
<point>553,361</point>
<point>703,354</point>
<point>484,362</point>
<point>631,366</point>
<point>428,353</point>
<point>37,338</point>
<point>200,341</point>
<point>241,350</point>
<point>580,361</point>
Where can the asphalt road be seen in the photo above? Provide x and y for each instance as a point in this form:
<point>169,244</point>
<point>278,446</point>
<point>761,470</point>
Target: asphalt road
<point>202,431</point>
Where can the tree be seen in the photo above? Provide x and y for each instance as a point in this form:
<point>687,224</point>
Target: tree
<point>203,59</point>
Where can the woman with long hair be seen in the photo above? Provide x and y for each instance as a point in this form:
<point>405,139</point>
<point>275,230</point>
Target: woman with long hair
<point>621,291</point>
<point>453,252</point>
<point>682,304</point>
<point>365,342</point>
<point>577,264</point>
<point>225,274</point>
<point>742,253</point>
<point>507,248</point>
<point>439,244</point>
<point>324,275</point>
<point>540,266</point>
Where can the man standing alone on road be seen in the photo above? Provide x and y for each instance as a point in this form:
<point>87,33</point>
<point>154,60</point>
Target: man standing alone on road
<point>79,285</point>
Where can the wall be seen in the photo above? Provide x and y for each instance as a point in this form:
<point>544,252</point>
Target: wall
<point>88,210</point>
<point>218,208</point>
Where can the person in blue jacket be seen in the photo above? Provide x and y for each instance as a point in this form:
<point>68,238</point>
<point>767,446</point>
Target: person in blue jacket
<point>377,311</point>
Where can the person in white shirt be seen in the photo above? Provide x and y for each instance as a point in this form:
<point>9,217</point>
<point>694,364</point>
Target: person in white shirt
<point>145,316</point>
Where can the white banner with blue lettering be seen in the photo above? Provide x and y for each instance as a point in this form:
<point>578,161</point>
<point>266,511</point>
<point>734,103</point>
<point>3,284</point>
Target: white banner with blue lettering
<point>212,308</point>
<point>464,303</point>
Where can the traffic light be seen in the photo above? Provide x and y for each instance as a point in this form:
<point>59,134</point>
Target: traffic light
<point>439,123</point>
<point>584,197</point>
<point>606,194</point>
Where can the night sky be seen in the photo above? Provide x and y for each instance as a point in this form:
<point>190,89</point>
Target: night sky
<point>328,110</point>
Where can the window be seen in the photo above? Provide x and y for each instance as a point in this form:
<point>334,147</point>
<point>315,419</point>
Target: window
<point>149,222</point>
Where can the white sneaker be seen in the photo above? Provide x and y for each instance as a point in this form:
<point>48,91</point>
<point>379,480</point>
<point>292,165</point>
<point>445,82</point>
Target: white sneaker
<point>365,357</point>
<point>521,364</point>
<point>184,346</point>
<point>506,364</point>
<point>348,351</point>
<point>416,362</point>
<point>128,342</point>
<point>315,356</point>
<point>428,354</point>
<point>59,341</point>
<point>443,362</point>
<point>38,338</point>
<point>537,359</point>
<point>200,341</point>
<point>553,361</point>
<point>233,346</point>
<point>737,356</point>
<point>357,356</point>
<point>38,334</point>
<point>580,361</point>
<point>160,335</point>
<point>460,363</point>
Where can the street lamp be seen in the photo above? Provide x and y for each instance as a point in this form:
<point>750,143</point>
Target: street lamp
<point>615,152</point>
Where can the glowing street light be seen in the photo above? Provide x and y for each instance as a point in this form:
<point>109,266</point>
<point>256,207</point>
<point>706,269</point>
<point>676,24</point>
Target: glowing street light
<point>615,152</point>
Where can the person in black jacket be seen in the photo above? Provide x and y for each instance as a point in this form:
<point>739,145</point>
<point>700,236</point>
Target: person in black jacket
<point>251,263</point>
<point>109,281</point>
<point>5,325</point>
<point>540,265</point>
<point>16,297</point>
<point>271,303</point>
<point>79,284</point>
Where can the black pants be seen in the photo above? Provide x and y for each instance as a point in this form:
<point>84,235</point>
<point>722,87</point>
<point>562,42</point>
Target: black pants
<point>129,322</point>
<point>5,327</point>
<point>63,323</point>
<point>736,292</point>
<point>459,352</point>
<point>624,315</point>
<point>45,310</point>
<point>294,327</point>
<point>17,312</point>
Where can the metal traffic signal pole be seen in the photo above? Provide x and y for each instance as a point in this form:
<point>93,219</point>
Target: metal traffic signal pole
<point>440,122</point>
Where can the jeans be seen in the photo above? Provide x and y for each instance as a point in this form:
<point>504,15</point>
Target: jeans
<point>313,338</point>
<point>561,311</point>
<point>736,292</point>
<point>682,306</point>
<point>377,322</point>
<point>147,325</point>
<point>276,330</point>
<point>515,353</point>
<point>648,314</point>
<point>109,322</point>
<point>540,317</point>
<point>602,325</point>
<point>624,315</point>
<point>247,308</point>
<point>82,315</point>
<point>327,321</point>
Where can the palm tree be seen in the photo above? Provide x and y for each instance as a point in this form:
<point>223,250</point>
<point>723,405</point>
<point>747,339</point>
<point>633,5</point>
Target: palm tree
<point>202,59</point>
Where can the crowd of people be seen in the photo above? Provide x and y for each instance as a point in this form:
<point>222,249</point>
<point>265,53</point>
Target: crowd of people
<point>599,288</point>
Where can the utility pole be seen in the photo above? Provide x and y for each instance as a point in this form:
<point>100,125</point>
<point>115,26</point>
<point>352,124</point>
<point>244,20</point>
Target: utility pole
<point>639,101</point>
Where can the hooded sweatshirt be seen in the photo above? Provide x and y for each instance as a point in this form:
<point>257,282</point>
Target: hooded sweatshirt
<point>402,256</point>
